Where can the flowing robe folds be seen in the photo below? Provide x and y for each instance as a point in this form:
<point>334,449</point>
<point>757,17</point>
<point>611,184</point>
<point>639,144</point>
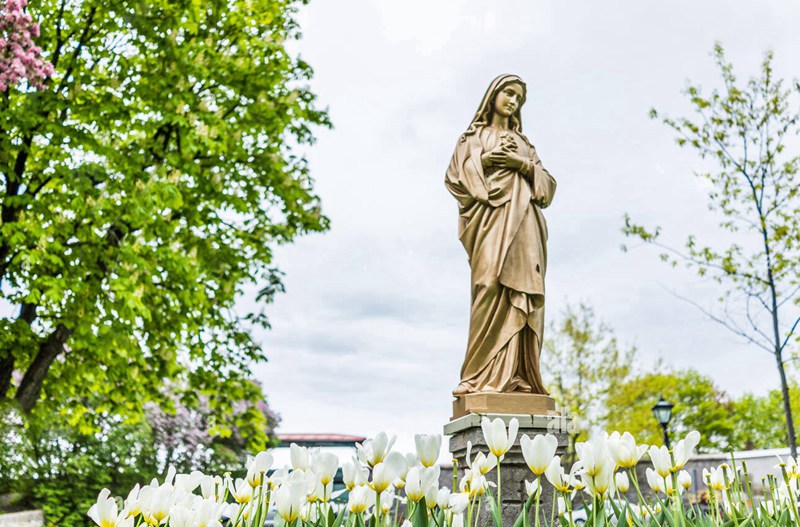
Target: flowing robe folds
<point>504,232</point>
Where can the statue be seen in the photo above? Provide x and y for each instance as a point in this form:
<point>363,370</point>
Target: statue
<point>501,187</point>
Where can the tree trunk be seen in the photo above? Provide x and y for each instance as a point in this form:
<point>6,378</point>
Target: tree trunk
<point>49,349</point>
<point>787,406</point>
<point>6,370</point>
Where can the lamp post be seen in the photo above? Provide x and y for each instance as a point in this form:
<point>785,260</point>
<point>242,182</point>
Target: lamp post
<point>663,412</point>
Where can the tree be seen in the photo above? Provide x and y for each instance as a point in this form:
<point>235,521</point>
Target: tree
<point>582,362</point>
<point>759,421</point>
<point>48,464</point>
<point>699,405</point>
<point>745,134</point>
<point>140,192</point>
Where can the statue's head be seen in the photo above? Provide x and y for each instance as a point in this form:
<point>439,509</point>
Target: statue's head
<point>505,95</point>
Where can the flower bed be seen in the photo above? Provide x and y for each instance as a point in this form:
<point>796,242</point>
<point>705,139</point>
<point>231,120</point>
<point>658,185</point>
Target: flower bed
<point>385,488</point>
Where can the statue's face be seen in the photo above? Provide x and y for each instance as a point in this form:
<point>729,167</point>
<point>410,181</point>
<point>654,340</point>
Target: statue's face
<point>508,100</point>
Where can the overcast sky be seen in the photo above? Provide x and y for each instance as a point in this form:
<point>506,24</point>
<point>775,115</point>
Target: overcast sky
<point>372,330</point>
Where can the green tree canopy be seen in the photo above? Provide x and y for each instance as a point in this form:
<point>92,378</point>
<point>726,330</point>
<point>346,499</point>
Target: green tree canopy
<point>140,192</point>
<point>699,405</point>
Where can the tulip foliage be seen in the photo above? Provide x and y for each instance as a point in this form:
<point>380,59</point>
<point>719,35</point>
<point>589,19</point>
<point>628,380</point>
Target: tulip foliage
<point>384,488</point>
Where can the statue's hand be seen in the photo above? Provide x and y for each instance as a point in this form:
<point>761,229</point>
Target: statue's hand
<point>503,158</point>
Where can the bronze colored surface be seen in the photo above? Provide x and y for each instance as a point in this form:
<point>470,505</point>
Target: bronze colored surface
<point>501,187</point>
<point>503,403</point>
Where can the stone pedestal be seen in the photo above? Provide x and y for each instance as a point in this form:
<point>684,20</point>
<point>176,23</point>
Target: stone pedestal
<point>514,469</point>
<point>503,403</point>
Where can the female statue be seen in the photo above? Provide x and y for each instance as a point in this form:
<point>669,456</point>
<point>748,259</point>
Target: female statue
<point>501,187</point>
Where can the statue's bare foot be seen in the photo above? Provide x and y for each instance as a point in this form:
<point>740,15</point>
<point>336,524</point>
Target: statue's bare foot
<point>461,389</point>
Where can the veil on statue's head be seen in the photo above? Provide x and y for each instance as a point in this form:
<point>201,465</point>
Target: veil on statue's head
<point>484,114</point>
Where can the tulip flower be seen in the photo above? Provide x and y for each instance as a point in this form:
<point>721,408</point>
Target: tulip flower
<point>685,449</point>
<point>532,488</point>
<point>443,498</point>
<point>556,476</point>
<point>428,447</point>
<point>561,506</point>
<point>326,465</point>
<point>718,478</point>
<point>160,502</point>
<point>354,474</point>
<point>104,512</point>
<point>384,472</point>
<point>419,481</point>
<point>359,500</point>
<point>539,451</point>
<point>624,449</point>
<point>241,491</point>
<point>684,480</point>
<point>497,438</point>
<point>622,481</point>
<point>603,479</point>
<point>374,451</point>
<point>289,500</point>
<point>259,466</point>
<point>482,462</point>
<point>655,481</point>
<point>299,457</point>
<point>661,459</point>
<point>594,454</point>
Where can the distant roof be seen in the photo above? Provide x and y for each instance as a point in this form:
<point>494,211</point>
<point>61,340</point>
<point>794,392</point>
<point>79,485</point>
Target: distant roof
<point>311,440</point>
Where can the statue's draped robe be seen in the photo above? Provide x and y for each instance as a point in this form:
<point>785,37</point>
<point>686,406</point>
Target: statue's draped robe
<point>504,232</point>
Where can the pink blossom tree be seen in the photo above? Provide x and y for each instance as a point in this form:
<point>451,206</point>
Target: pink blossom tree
<point>20,57</point>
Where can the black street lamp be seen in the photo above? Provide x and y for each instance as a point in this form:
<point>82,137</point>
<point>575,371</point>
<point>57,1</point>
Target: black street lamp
<point>663,412</point>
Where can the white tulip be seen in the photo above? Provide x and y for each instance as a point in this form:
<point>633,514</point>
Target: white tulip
<point>104,512</point>
<point>385,472</point>
<point>684,480</point>
<point>354,474</point>
<point>326,465</point>
<point>622,482</point>
<point>539,451</point>
<point>655,480</point>
<point>387,500</point>
<point>556,476</point>
<point>419,481</point>
<point>624,449</point>
<point>473,483</point>
<point>685,449</point>
<point>289,499</point>
<point>133,504</point>
<point>458,502</point>
<point>257,467</point>
<point>532,488</point>
<point>359,500</point>
<point>428,447</point>
<point>431,495</point>
<point>661,459</point>
<point>718,478</point>
<point>561,505</point>
<point>594,454</point>
<point>299,457</point>
<point>443,498</point>
<point>603,479</point>
<point>374,451</point>
<point>160,502</point>
<point>241,491</point>
<point>497,438</point>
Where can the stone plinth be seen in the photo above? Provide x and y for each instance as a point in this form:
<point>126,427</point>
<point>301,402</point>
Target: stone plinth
<point>514,469</point>
<point>503,403</point>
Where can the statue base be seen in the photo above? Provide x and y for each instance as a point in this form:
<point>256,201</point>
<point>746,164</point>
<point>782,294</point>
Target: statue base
<point>503,403</point>
<point>514,469</point>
